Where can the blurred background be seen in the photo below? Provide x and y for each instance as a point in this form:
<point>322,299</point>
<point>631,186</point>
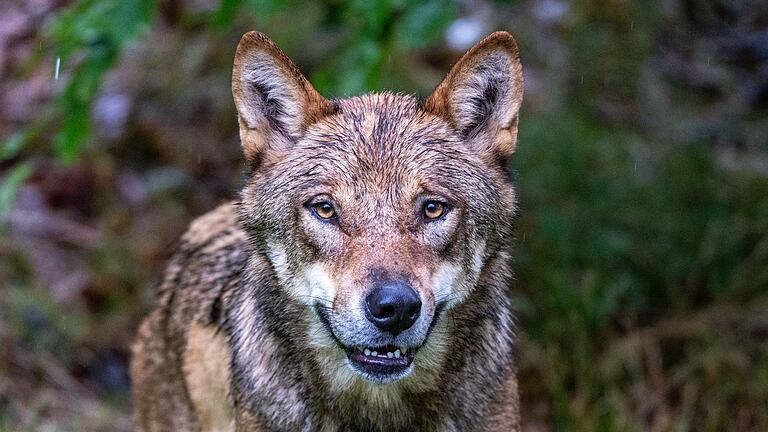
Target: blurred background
<point>642,247</point>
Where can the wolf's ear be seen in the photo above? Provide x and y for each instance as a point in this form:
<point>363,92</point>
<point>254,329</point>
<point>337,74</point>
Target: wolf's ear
<point>275,103</point>
<point>481,95</point>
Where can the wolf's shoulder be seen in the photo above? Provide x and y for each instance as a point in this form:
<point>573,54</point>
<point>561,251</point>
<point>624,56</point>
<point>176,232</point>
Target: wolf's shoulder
<point>220,224</point>
<point>210,255</point>
<point>213,245</point>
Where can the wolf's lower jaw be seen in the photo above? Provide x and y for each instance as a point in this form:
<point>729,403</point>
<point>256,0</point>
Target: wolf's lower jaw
<point>373,371</point>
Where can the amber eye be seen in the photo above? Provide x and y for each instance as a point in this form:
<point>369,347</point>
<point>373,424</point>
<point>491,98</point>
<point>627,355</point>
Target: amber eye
<point>324,210</point>
<point>434,209</point>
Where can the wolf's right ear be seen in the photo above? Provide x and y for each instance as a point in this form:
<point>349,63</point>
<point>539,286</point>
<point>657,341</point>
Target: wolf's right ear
<point>481,96</point>
<point>275,103</point>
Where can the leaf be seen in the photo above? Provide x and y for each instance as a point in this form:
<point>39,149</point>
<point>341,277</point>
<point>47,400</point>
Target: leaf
<point>13,145</point>
<point>9,187</point>
<point>225,14</point>
<point>128,18</point>
<point>422,23</point>
<point>96,30</point>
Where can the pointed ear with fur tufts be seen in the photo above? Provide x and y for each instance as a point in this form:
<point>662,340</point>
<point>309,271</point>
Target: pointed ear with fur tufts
<point>481,96</point>
<point>275,103</point>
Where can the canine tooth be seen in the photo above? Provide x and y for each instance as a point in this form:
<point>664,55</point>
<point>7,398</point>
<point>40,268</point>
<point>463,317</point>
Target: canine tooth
<point>390,355</point>
<point>403,350</point>
<point>367,352</point>
<point>374,353</point>
<point>397,353</point>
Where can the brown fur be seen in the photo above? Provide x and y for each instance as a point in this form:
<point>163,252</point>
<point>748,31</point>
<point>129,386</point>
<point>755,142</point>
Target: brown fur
<point>261,298</point>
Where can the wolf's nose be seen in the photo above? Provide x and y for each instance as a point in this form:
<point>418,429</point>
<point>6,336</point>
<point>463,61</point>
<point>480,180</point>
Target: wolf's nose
<point>393,307</point>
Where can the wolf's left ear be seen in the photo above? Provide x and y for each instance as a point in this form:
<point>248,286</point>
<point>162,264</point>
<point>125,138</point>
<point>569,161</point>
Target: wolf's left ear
<point>275,103</point>
<point>481,95</point>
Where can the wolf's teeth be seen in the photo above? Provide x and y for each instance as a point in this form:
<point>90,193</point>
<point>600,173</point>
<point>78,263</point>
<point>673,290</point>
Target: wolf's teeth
<point>397,353</point>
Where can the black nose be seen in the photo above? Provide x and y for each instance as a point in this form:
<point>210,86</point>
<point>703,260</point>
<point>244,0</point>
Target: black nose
<point>393,306</point>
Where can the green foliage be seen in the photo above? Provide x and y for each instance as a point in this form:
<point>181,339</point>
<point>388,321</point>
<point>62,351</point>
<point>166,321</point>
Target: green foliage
<point>615,238</point>
<point>10,185</point>
<point>372,33</point>
<point>90,35</point>
<point>87,39</point>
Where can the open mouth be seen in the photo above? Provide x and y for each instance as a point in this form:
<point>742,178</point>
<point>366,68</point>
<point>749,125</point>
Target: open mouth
<point>382,362</point>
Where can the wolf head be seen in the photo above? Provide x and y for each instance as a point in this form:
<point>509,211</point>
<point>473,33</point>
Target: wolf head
<point>378,213</point>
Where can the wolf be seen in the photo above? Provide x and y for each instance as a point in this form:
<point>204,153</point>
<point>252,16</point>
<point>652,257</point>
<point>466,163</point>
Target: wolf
<point>361,282</point>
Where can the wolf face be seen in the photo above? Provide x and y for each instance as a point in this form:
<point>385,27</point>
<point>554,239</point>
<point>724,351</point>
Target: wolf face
<point>378,213</point>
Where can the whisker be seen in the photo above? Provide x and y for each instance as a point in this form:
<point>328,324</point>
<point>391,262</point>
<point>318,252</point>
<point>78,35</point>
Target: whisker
<point>315,299</point>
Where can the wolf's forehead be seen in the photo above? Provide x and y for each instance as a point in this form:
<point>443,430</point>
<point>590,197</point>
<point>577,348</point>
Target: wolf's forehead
<point>382,148</point>
<point>381,130</point>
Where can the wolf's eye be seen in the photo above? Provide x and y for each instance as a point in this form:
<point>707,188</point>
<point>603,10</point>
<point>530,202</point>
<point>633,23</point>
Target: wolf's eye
<point>433,209</point>
<point>324,210</point>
